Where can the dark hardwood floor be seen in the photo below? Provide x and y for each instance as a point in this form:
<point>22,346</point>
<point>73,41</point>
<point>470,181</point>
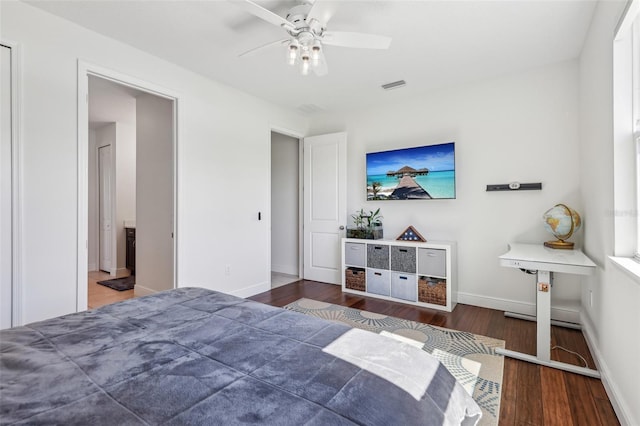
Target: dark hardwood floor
<point>531,394</point>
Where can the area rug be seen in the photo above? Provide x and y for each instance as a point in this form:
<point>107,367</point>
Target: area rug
<point>120,284</point>
<point>471,358</point>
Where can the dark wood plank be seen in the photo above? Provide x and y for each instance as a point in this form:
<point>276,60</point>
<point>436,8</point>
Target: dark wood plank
<point>555,402</point>
<point>509,398</point>
<point>581,402</point>
<point>531,394</point>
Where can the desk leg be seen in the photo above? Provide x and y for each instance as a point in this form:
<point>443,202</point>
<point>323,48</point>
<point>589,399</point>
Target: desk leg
<point>543,315</point>
<point>543,327</point>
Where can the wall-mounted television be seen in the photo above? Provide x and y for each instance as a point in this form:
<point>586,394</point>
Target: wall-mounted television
<point>420,173</point>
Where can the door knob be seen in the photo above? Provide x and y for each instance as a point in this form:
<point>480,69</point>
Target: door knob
<point>341,228</point>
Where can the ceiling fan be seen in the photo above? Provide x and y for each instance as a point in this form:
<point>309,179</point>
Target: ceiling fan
<point>307,35</point>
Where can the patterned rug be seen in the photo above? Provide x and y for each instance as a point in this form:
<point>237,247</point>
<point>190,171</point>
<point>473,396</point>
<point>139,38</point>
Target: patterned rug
<point>462,353</point>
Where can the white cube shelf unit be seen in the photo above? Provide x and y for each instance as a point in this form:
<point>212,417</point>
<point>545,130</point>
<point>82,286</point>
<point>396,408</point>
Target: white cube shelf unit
<point>421,274</point>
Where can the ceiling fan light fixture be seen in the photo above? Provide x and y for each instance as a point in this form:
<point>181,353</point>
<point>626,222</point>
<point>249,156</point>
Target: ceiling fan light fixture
<point>304,68</point>
<point>292,51</point>
<point>306,26</point>
<point>315,53</point>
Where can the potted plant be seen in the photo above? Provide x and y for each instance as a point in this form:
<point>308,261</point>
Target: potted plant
<point>366,225</point>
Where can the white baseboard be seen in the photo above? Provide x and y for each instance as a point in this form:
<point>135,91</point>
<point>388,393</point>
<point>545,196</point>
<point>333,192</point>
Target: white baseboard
<point>253,290</point>
<point>92,267</point>
<point>619,405</point>
<point>560,313</point>
<point>139,290</point>
<point>285,269</point>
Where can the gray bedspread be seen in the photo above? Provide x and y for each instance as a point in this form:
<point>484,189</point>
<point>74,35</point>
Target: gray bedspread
<point>194,356</point>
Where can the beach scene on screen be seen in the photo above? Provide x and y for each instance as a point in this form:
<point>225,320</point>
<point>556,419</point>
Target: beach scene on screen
<point>420,173</point>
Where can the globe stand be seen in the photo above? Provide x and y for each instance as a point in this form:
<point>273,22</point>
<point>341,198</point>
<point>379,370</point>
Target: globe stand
<point>559,244</point>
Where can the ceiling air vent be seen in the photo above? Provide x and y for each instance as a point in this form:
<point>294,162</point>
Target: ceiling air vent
<point>394,85</point>
<point>310,108</point>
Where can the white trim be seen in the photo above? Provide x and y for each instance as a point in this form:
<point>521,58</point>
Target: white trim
<point>17,299</point>
<point>139,290</point>
<point>558,313</point>
<point>626,19</point>
<point>629,266</point>
<point>252,290</point>
<point>84,70</point>
<point>619,406</point>
<point>82,233</point>
<point>92,267</point>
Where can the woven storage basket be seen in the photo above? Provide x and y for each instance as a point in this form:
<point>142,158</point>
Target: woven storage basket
<point>432,290</point>
<point>355,279</point>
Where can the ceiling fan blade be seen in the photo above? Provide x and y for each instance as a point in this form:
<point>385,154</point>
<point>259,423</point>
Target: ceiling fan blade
<point>271,43</point>
<point>264,14</point>
<point>359,40</point>
<point>321,11</point>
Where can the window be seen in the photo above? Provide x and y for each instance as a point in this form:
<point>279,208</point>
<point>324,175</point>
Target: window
<point>635,54</point>
<point>626,138</point>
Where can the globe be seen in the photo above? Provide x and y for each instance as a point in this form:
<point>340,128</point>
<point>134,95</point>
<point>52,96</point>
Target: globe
<point>561,221</point>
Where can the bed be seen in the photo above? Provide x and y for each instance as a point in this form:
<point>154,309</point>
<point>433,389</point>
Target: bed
<point>195,356</point>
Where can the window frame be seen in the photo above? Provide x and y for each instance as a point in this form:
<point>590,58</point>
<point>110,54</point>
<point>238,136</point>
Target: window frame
<point>635,87</point>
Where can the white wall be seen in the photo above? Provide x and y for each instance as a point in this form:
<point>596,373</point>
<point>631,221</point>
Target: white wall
<point>154,177</point>
<point>223,163</point>
<point>285,153</point>
<point>520,127</point>
<point>613,321</point>
<point>125,178</point>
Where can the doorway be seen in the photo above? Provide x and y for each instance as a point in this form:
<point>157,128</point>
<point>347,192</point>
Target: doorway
<point>126,161</point>
<point>285,209</point>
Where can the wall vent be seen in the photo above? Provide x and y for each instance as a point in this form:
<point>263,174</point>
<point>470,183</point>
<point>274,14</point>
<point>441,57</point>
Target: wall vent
<point>310,108</point>
<point>394,85</point>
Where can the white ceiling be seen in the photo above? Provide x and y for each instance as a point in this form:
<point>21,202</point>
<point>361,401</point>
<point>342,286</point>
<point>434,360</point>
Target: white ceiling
<point>105,102</point>
<point>435,43</point>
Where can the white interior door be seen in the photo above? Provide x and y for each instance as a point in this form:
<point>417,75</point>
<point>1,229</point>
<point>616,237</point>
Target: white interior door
<point>104,197</point>
<point>6,257</point>
<point>325,205</point>
<point>154,193</point>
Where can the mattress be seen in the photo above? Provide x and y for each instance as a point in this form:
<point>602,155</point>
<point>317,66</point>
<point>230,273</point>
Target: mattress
<point>195,356</point>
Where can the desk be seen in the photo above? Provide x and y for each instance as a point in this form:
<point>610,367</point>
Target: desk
<point>545,261</point>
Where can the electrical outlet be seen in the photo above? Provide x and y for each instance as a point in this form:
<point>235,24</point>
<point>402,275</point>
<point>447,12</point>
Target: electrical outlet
<point>227,270</point>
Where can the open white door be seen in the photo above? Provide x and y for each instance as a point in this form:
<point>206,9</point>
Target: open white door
<point>105,207</point>
<point>325,205</point>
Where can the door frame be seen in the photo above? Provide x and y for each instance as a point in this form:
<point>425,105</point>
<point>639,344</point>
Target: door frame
<point>300,136</point>
<point>85,69</point>
<point>17,308</point>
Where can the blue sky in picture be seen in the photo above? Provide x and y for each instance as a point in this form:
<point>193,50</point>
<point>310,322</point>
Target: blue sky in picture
<point>436,158</point>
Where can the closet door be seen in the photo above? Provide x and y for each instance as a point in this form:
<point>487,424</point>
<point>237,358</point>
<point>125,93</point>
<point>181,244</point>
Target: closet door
<point>105,207</point>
